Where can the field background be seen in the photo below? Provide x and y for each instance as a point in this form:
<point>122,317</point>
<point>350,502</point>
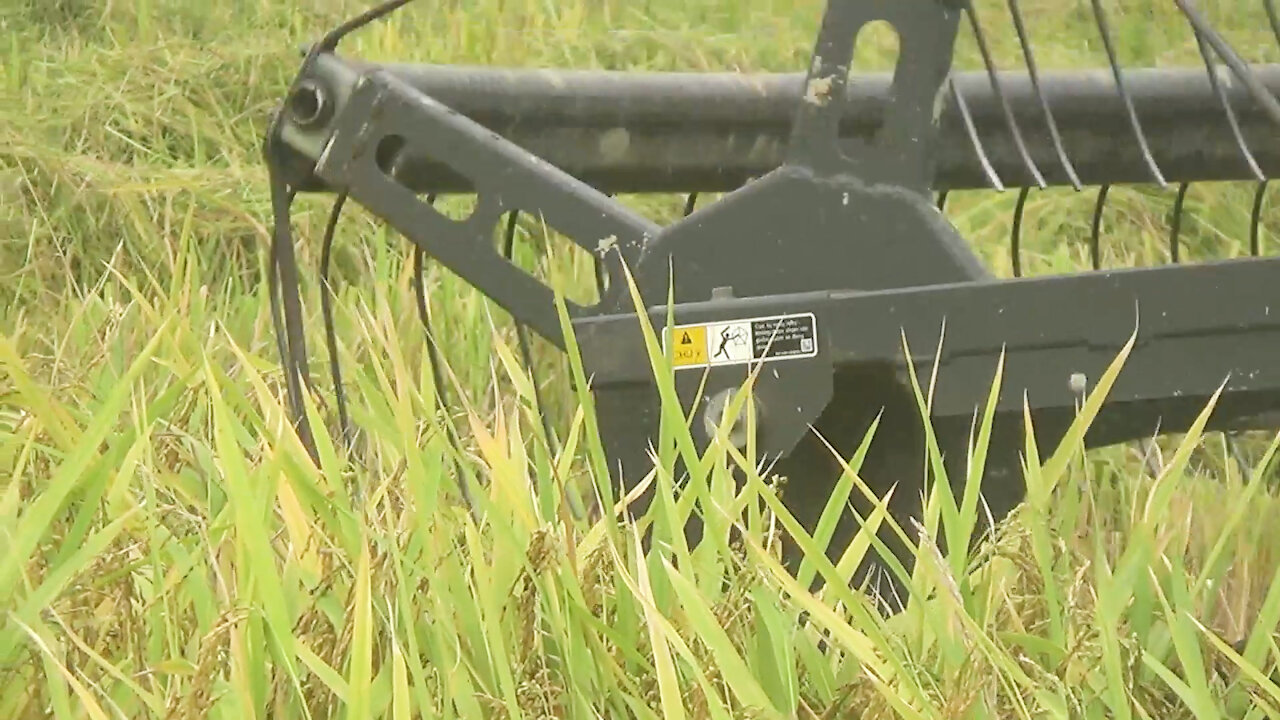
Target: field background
<point>169,552</point>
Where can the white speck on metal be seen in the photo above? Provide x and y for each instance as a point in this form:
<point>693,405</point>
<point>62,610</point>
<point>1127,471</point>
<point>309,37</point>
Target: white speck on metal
<point>1078,383</point>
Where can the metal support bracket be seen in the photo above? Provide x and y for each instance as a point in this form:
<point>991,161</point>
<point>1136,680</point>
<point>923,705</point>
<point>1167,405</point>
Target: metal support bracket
<point>376,117</point>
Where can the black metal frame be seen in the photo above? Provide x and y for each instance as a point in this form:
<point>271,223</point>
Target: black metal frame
<point>677,132</point>
<point>841,225</point>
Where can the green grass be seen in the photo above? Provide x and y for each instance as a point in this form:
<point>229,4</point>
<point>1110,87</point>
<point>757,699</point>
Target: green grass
<point>171,552</point>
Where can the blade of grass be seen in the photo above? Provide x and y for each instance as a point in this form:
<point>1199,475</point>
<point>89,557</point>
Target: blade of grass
<point>34,522</point>
<point>730,664</point>
<point>672,702</point>
<point>254,541</point>
<point>360,672</point>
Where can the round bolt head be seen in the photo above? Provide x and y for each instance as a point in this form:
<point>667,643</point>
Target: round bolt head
<point>309,104</point>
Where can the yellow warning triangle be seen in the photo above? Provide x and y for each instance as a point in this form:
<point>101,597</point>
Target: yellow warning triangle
<point>685,339</point>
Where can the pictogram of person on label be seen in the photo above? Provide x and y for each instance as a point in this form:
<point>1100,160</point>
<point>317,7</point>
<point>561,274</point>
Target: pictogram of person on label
<point>730,336</point>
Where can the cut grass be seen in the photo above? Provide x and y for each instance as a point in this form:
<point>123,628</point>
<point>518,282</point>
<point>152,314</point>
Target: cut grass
<point>170,551</point>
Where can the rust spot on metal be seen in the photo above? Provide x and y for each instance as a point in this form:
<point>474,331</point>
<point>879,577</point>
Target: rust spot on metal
<point>818,91</point>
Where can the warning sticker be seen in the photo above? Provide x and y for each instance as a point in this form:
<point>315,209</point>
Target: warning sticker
<point>691,346</point>
<point>782,337</point>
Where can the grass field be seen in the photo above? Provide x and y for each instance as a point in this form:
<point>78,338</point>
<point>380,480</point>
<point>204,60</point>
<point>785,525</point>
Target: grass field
<point>169,551</point>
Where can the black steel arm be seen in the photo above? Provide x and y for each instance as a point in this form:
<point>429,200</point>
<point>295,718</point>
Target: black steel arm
<point>352,130</point>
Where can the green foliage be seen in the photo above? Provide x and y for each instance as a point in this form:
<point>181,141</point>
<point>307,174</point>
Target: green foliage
<point>170,551</point>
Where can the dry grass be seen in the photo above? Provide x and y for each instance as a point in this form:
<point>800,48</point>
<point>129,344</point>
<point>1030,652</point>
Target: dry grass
<point>170,551</point>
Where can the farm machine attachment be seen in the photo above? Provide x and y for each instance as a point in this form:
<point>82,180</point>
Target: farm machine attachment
<point>826,267</point>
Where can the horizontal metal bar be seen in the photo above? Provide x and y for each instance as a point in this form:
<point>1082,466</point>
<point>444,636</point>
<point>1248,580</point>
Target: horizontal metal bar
<point>1198,327</point>
<point>629,132</point>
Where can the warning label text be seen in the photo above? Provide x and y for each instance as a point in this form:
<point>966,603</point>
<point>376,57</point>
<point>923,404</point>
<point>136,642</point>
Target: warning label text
<point>744,341</point>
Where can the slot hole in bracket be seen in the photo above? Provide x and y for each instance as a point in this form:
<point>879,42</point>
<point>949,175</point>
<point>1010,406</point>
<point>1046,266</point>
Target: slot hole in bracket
<point>390,156</point>
<point>876,50</point>
<point>535,248</point>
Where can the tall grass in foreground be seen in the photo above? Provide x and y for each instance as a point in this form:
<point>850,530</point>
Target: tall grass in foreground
<point>169,551</point>
<point>172,552</point>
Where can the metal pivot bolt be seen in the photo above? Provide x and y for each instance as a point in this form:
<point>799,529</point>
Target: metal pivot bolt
<point>714,415</point>
<point>309,104</point>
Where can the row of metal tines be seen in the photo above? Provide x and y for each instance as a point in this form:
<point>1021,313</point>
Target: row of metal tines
<point>1213,48</point>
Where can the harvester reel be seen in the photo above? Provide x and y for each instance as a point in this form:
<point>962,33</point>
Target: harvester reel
<point>829,249</point>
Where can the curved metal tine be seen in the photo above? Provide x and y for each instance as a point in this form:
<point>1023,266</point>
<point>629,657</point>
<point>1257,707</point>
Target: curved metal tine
<point>601,285</point>
<point>1104,29</point>
<point>942,200</point>
<point>433,348</point>
<point>288,364</point>
<point>1152,458</point>
<point>690,204</point>
<point>1273,17</point>
<point>1255,220</point>
<point>1238,455</point>
<point>972,131</point>
<point>522,337</point>
<point>996,87</point>
<point>1034,74</point>
<point>1175,244</point>
<point>330,331</point>
<point>1095,247</point>
<point>286,311</point>
<point>278,324</point>
<point>424,315</point>
<point>1241,143</point>
<point>1238,67</point>
<point>1015,240</point>
<point>437,376</point>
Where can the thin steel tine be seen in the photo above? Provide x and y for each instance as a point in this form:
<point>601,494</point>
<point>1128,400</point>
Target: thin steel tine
<point>1175,243</point>
<point>1237,454</point>
<point>286,311</point>
<point>1273,17</point>
<point>1260,93</point>
<point>277,322</point>
<point>330,331</point>
<point>690,204</point>
<point>437,375</point>
<point>1015,240</point>
<point>1259,197</point>
<point>434,357</point>
<point>967,117</point>
<point>1105,30</point>
<point>1095,245</point>
<point>601,275</point>
<point>1255,220</point>
<point>522,336</point>
<point>998,89</point>
<point>942,201</point>
<point>424,315</point>
<point>1221,93</point>
<point>1034,74</point>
